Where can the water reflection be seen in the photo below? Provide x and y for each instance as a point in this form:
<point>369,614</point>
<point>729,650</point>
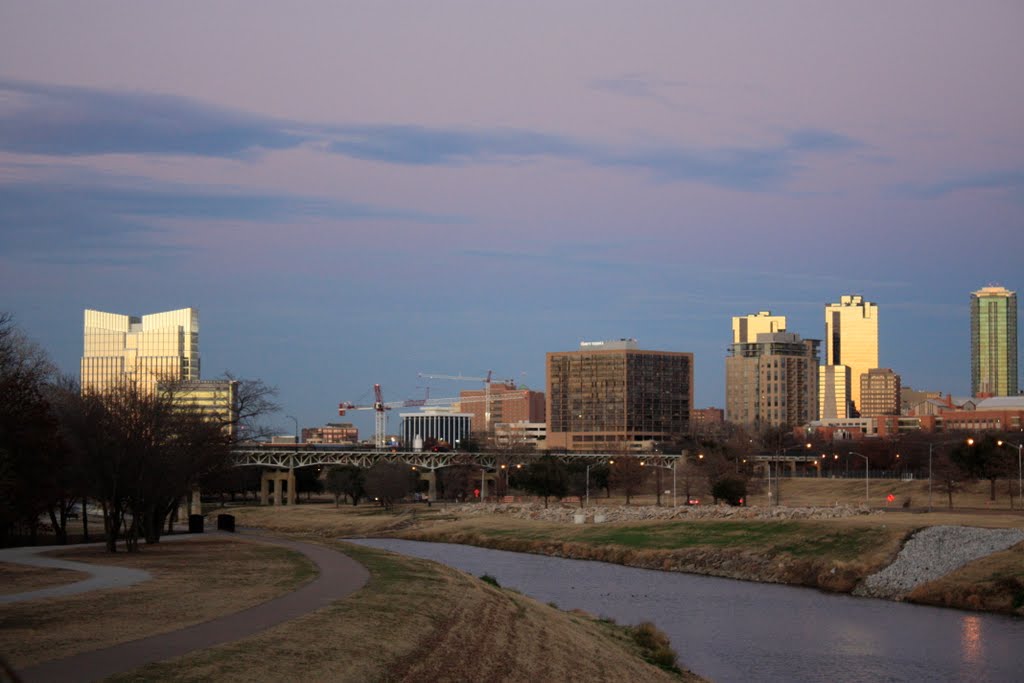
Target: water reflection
<point>972,641</point>
<point>739,631</point>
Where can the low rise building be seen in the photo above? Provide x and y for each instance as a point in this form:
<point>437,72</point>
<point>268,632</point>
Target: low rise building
<point>331,433</point>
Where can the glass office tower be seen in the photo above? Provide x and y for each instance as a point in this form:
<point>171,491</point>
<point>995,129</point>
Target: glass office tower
<point>851,339</point>
<point>993,342</point>
<point>147,349</point>
<point>612,395</point>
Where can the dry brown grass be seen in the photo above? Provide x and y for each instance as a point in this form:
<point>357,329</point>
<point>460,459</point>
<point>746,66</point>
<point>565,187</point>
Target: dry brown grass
<point>418,621</point>
<point>20,578</point>
<point>194,581</point>
<point>994,584</point>
<point>812,491</point>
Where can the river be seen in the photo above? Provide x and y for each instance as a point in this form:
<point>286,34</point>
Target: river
<point>728,630</point>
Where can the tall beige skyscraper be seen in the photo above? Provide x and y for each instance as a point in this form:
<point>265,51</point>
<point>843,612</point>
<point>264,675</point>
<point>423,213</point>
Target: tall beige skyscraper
<point>851,338</point>
<point>146,349</point>
<point>745,328</point>
<point>772,381</point>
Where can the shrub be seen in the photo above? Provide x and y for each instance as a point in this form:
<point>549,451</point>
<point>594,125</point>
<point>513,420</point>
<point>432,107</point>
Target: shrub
<point>657,649</point>
<point>730,489</point>
<point>487,578</point>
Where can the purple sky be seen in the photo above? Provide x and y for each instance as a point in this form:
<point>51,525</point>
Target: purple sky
<point>355,192</point>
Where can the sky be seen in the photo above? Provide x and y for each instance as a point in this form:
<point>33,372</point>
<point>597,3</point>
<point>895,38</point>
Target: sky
<point>355,193</point>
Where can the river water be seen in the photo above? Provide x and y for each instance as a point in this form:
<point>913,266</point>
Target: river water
<point>728,630</point>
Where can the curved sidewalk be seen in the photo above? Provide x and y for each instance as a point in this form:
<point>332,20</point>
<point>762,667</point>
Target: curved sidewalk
<point>100,576</point>
<point>339,576</point>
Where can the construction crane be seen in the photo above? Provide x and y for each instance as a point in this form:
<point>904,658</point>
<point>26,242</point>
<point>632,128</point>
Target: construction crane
<point>381,408</point>
<point>487,390</point>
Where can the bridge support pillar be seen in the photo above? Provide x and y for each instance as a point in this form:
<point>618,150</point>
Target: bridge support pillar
<point>264,489</point>
<point>431,479</point>
<point>279,480</point>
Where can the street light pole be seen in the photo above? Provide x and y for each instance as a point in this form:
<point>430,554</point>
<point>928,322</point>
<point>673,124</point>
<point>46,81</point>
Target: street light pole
<point>296,427</point>
<point>674,463</point>
<point>1020,478</point>
<point>867,477</point>
<point>588,485</point>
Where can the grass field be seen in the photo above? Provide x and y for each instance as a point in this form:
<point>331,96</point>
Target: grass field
<point>194,581</point>
<point>419,621</point>
<point>19,578</point>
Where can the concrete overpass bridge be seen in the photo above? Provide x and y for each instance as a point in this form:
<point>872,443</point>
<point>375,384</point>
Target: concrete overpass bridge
<point>280,461</point>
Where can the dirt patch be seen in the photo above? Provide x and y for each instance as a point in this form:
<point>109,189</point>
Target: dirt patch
<point>20,578</point>
<point>417,621</point>
<point>194,581</point>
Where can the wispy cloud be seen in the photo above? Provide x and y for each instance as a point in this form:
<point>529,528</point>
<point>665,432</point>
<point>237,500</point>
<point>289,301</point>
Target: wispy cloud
<point>739,168</point>
<point>61,120</point>
<point>82,222</point>
<point>420,145</point>
<point>1011,180</point>
<point>638,86</point>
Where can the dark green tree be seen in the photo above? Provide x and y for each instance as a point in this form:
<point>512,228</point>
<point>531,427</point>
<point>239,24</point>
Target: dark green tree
<point>547,476</point>
<point>732,490</point>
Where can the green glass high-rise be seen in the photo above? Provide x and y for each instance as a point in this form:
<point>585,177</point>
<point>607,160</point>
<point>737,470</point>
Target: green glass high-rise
<point>993,342</point>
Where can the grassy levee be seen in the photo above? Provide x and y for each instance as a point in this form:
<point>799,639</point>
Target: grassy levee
<point>804,553</point>
<point>831,554</point>
<point>819,554</point>
<point>417,620</point>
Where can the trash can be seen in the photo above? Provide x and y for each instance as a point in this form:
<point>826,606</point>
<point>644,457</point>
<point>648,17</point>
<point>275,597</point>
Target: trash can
<point>195,524</point>
<point>226,523</point>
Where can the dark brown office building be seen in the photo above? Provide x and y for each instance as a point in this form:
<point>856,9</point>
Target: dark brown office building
<point>611,395</point>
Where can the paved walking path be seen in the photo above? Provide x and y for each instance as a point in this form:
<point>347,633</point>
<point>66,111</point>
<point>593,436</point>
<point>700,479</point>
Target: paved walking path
<point>339,575</point>
<point>100,576</point>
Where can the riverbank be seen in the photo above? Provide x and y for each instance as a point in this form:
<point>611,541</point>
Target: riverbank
<point>825,549</point>
<point>414,620</point>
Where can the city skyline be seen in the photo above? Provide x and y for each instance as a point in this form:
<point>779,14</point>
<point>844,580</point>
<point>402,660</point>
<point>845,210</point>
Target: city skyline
<point>398,189</point>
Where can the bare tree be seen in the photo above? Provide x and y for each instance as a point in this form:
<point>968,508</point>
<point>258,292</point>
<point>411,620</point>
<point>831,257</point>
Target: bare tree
<point>390,482</point>
<point>27,430</point>
<point>983,458</point>
<point>254,400</point>
<point>346,480</point>
<point>948,475</point>
<point>628,475</point>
